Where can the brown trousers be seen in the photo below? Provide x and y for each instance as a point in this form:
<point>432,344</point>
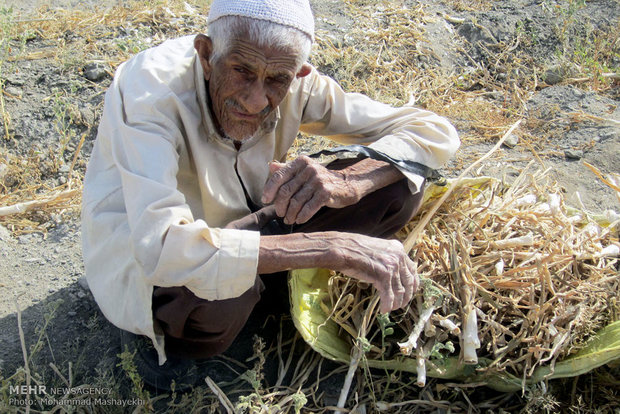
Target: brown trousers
<point>198,328</point>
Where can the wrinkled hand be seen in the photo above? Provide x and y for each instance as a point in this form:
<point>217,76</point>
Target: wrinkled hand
<point>298,189</point>
<point>254,221</point>
<point>385,265</point>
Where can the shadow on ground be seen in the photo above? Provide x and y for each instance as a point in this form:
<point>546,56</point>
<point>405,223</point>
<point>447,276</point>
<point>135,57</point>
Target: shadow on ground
<point>69,343</point>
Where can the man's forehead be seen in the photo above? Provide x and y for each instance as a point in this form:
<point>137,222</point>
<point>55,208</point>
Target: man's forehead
<point>253,54</point>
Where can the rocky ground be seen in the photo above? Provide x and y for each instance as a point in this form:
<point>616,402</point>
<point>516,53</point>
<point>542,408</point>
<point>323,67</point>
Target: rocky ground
<point>53,104</point>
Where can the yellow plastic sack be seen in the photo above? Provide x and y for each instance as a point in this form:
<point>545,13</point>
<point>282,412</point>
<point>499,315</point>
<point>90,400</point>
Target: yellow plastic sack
<point>308,287</point>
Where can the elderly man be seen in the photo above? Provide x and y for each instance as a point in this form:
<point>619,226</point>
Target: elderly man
<point>188,198</point>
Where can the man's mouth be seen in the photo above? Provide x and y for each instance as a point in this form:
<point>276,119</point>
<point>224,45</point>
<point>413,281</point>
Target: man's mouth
<point>244,116</point>
<point>238,111</point>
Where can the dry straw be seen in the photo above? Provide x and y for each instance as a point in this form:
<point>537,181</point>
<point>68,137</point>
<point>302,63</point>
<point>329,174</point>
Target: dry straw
<point>510,273</point>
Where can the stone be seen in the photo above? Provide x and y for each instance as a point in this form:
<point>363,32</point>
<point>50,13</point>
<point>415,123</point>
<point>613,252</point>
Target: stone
<point>95,72</point>
<point>13,92</point>
<point>24,239</point>
<point>4,169</point>
<point>511,141</point>
<point>15,80</point>
<point>88,116</point>
<point>83,283</point>
<point>5,234</point>
<point>476,33</point>
<point>603,136</point>
<point>554,75</point>
<point>573,154</point>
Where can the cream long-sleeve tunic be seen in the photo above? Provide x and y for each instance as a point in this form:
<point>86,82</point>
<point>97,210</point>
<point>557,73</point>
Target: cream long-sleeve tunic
<point>161,183</point>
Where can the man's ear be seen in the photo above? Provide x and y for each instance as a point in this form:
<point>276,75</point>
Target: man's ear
<point>204,47</point>
<point>304,71</point>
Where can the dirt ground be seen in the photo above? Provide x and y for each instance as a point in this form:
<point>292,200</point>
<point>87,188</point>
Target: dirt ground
<point>42,273</point>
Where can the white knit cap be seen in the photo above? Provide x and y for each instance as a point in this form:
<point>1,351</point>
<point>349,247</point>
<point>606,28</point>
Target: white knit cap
<point>294,13</point>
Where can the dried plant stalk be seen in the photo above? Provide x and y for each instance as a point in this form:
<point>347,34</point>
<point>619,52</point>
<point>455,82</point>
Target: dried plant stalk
<point>517,277</point>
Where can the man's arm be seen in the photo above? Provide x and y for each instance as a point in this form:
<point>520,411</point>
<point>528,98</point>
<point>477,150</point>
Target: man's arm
<point>300,188</point>
<point>383,263</point>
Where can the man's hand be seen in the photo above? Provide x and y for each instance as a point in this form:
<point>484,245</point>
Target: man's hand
<point>300,188</point>
<point>385,264</point>
<point>255,221</point>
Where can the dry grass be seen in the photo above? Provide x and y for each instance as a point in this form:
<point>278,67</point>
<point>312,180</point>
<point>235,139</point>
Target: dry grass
<point>108,36</point>
<point>540,277</point>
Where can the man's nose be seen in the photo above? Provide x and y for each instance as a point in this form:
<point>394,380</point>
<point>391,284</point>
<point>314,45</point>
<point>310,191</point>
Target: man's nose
<point>255,99</point>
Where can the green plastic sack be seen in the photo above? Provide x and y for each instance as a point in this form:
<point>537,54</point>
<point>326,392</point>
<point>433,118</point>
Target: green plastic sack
<point>308,287</point>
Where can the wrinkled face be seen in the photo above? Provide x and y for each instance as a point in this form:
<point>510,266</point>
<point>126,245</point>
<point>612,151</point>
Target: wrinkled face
<point>246,85</point>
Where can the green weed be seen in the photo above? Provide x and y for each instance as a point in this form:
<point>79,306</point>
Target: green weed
<point>128,366</point>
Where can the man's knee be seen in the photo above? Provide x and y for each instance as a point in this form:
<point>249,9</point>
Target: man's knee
<point>198,342</point>
<point>404,204</point>
<point>400,205</point>
<point>197,328</point>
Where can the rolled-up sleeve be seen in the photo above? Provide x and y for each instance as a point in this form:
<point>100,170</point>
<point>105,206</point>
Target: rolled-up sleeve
<point>404,133</point>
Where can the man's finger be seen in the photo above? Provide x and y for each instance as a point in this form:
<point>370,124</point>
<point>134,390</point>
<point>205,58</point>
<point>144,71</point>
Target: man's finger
<point>275,166</point>
<point>386,294</point>
<point>410,281</point>
<point>297,203</point>
<point>280,176</point>
<point>414,273</point>
<point>265,215</point>
<point>310,209</point>
<point>407,283</point>
<point>398,289</point>
<point>286,192</point>
<point>387,300</point>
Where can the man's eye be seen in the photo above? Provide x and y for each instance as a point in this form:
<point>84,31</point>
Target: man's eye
<point>241,70</point>
<point>280,80</point>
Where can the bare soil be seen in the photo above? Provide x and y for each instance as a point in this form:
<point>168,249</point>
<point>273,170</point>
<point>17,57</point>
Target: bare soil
<point>42,273</point>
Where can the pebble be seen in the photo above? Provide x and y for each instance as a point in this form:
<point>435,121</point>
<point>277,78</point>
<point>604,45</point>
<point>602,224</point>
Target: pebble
<point>603,136</point>
<point>511,141</point>
<point>83,283</point>
<point>24,239</point>
<point>13,92</point>
<point>15,80</point>
<point>95,72</point>
<point>5,234</point>
<point>88,116</point>
<point>553,75</point>
<point>572,154</point>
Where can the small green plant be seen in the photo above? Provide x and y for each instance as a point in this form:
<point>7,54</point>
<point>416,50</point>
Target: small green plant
<point>566,13</point>
<point>6,32</point>
<point>41,331</point>
<point>66,115</point>
<point>253,403</point>
<point>128,366</point>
